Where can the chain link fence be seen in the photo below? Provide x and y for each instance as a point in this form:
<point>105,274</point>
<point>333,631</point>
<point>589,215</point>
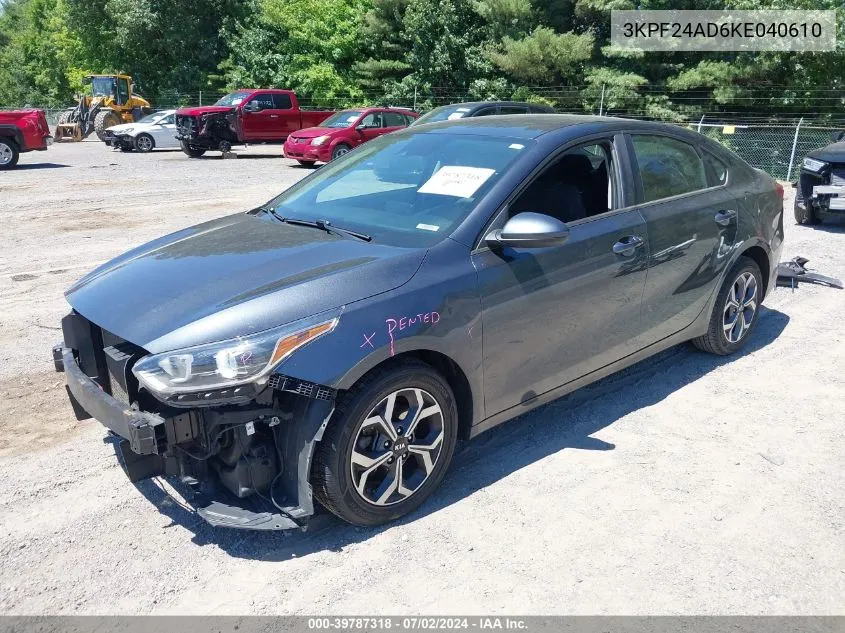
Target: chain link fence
<point>777,146</point>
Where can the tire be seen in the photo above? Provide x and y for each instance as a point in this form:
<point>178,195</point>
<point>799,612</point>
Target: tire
<point>337,479</point>
<point>144,143</point>
<point>340,149</point>
<point>805,216</point>
<point>191,151</point>
<point>306,163</point>
<point>104,120</point>
<point>9,153</point>
<point>719,339</point>
<point>64,117</point>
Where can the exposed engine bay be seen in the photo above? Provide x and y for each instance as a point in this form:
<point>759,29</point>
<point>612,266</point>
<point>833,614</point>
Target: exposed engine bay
<point>209,131</point>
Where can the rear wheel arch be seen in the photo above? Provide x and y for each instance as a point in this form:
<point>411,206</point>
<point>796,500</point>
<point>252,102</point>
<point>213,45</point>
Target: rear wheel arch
<point>761,258</point>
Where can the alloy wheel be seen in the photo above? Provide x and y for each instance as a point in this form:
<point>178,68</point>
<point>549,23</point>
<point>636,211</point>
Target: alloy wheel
<point>740,307</point>
<point>145,144</point>
<point>397,447</point>
<point>6,154</point>
<point>340,151</point>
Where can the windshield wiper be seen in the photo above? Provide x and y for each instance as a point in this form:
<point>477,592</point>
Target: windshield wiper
<point>323,225</point>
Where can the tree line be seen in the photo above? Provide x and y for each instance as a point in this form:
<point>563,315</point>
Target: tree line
<point>344,52</point>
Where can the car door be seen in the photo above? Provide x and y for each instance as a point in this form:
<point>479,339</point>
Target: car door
<point>370,126</point>
<point>285,120</point>
<point>164,132</point>
<point>691,223</point>
<point>553,314</point>
<point>259,118</point>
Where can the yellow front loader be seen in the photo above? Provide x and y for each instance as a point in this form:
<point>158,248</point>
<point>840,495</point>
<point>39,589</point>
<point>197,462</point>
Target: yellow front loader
<point>111,102</point>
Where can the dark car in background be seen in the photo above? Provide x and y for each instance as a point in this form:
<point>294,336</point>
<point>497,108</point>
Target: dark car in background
<point>343,132</point>
<point>820,191</point>
<point>336,342</point>
<point>481,108</point>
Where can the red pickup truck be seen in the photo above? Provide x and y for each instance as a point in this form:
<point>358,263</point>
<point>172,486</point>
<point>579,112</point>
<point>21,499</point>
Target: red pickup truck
<point>244,116</point>
<point>22,131</point>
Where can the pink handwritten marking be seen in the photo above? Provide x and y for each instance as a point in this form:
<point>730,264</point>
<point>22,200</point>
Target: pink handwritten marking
<point>469,331</point>
<point>368,340</point>
<point>245,357</point>
<point>405,322</point>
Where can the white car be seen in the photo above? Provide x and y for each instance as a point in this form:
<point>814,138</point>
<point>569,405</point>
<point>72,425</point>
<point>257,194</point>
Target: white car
<point>154,131</point>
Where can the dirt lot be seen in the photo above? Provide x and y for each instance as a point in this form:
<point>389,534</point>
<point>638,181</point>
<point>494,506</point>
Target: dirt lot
<point>685,485</point>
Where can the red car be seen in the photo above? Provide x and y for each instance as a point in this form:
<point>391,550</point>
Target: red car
<point>343,132</point>
<point>22,131</point>
<point>244,116</point>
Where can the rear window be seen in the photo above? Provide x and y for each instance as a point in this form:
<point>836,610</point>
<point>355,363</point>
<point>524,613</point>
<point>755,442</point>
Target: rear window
<point>717,171</point>
<point>668,167</point>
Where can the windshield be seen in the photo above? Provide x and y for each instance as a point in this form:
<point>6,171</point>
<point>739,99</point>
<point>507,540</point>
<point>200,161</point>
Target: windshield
<point>233,99</point>
<point>344,118</point>
<point>403,189</point>
<point>103,86</point>
<point>443,113</point>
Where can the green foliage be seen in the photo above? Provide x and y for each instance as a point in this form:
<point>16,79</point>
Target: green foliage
<point>423,52</point>
<point>544,56</point>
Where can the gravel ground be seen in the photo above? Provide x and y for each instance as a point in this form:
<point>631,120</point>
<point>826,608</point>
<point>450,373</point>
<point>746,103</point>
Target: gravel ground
<point>687,484</point>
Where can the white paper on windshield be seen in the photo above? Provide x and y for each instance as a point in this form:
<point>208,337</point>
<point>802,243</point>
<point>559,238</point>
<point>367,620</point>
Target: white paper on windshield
<point>351,118</point>
<point>455,115</point>
<point>428,227</point>
<point>516,146</point>
<point>456,180</point>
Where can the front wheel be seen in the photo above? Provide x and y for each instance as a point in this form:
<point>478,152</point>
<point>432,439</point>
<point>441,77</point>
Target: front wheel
<point>191,151</point>
<point>144,143</point>
<point>387,446</point>
<point>9,153</point>
<point>736,311</point>
<point>340,149</point>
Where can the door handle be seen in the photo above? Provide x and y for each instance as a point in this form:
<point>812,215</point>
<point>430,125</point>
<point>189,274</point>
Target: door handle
<point>724,218</point>
<point>628,245</point>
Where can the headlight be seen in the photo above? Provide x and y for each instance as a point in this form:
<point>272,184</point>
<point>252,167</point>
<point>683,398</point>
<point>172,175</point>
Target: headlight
<point>811,164</point>
<point>319,140</point>
<point>226,363</point>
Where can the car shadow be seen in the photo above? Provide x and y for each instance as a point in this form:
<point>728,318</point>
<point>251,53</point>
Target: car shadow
<point>489,457</point>
<point>25,166</point>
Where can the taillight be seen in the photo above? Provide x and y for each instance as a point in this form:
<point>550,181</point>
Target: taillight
<point>779,188</point>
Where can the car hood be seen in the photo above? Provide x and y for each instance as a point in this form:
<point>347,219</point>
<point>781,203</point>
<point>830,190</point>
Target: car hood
<point>120,129</point>
<point>233,277</point>
<point>314,132</point>
<point>198,110</point>
<point>833,153</point>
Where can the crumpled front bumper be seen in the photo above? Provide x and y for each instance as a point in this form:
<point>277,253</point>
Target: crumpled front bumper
<point>145,446</point>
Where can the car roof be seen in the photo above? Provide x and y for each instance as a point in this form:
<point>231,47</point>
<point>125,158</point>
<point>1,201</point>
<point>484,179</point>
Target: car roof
<point>529,126</point>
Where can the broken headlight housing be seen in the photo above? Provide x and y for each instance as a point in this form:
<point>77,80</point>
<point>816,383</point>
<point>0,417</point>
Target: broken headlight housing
<point>816,166</point>
<point>227,363</point>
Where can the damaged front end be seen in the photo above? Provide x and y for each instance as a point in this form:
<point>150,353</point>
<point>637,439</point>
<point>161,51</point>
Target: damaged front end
<point>821,188</point>
<point>212,130</point>
<point>245,449</point>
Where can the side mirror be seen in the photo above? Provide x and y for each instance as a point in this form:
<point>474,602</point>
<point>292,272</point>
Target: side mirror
<point>529,230</point>
<point>252,106</point>
<point>837,136</point>
<point>362,126</point>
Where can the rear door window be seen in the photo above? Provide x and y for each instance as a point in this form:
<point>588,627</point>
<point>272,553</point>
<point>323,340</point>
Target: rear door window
<point>513,110</point>
<point>394,119</point>
<point>486,111</point>
<point>281,101</point>
<point>717,171</point>
<point>667,167</point>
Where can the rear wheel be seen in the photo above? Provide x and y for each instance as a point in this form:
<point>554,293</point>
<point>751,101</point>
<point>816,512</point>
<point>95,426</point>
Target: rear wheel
<point>9,153</point>
<point>191,151</point>
<point>144,143</point>
<point>104,120</point>
<point>736,311</point>
<point>805,216</point>
<point>387,446</point>
<point>340,149</point>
